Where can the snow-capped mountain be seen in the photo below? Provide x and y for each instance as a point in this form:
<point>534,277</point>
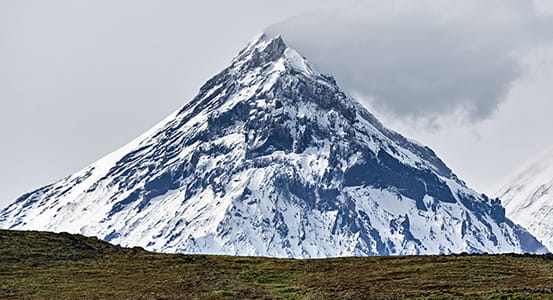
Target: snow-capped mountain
<point>528,197</point>
<point>271,158</point>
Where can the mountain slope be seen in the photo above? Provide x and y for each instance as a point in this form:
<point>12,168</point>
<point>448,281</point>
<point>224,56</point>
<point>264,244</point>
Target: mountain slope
<point>271,158</point>
<point>528,197</point>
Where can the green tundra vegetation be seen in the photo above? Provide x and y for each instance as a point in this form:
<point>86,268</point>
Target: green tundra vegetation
<point>43,265</point>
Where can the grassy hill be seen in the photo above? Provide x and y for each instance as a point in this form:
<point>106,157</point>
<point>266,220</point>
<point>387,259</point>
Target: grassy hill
<point>57,266</point>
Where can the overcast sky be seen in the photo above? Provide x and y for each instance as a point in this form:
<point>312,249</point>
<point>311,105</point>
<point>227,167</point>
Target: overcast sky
<point>78,79</point>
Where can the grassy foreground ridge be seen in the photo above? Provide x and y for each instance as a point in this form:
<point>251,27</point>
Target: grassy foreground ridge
<point>56,266</point>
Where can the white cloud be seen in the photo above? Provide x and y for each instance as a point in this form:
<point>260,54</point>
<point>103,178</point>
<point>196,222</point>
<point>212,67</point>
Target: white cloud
<point>422,59</point>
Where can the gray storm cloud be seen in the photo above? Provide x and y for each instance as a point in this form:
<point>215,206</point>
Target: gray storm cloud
<point>421,59</point>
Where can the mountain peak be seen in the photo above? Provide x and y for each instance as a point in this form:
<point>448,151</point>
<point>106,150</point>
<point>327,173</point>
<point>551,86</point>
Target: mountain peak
<point>272,158</point>
<point>265,50</point>
<point>263,43</point>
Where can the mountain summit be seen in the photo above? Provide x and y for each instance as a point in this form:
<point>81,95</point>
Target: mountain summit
<point>271,158</point>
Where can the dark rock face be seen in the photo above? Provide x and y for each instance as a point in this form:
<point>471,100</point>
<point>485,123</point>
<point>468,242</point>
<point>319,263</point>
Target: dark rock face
<point>272,158</point>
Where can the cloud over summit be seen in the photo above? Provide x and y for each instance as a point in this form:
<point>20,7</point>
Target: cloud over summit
<point>422,59</point>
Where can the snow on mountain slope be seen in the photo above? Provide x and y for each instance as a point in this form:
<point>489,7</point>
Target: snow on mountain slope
<point>271,158</point>
<point>528,197</point>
